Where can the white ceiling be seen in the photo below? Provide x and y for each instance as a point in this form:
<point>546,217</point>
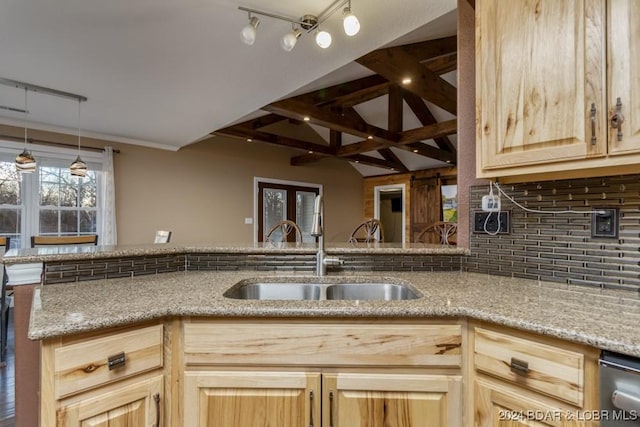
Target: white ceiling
<point>165,73</point>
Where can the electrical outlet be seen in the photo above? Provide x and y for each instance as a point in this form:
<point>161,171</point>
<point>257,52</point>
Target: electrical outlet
<point>604,222</point>
<point>479,218</point>
<point>491,203</point>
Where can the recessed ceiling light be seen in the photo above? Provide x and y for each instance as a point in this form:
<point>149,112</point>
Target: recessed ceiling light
<point>370,137</point>
<point>406,80</point>
<point>357,161</point>
<point>310,152</point>
<point>415,150</point>
<point>448,161</point>
<point>249,140</point>
<point>306,118</point>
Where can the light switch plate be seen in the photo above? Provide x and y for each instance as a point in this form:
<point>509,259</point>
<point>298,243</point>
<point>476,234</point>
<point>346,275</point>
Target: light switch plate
<point>248,221</point>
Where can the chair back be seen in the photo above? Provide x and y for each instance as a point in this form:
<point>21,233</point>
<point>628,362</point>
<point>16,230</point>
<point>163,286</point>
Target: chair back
<point>280,232</point>
<point>366,231</point>
<point>90,239</point>
<point>442,229</point>
<point>162,236</point>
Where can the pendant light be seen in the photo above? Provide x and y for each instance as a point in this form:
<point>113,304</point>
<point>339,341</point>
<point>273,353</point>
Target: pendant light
<point>350,21</point>
<point>25,162</point>
<point>78,167</point>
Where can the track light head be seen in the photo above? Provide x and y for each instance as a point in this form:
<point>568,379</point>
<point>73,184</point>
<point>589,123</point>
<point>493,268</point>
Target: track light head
<point>323,39</point>
<point>289,40</point>
<point>248,33</point>
<point>350,22</point>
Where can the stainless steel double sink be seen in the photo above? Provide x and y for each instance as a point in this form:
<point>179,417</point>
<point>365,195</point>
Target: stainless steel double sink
<point>339,288</point>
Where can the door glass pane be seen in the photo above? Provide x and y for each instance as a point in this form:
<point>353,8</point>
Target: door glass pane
<point>274,210</point>
<point>304,213</point>
<point>450,203</point>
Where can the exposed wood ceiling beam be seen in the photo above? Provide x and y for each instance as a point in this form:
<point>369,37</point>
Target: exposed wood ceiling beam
<point>430,151</point>
<point>297,109</point>
<point>342,90</point>
<point>442,64</point>
<point>432,48</point>
<point>335,138</point>
<point>306,159</point>
<point>425,116</point>
<point>407,137</point>
<point>244,132</point>
<point>395,64</point>
<point>260,122</point>
<point>360,96</point>
<point>391,157</point>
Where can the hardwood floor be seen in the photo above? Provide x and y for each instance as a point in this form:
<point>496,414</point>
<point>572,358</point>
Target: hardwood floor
<point>7,382</point>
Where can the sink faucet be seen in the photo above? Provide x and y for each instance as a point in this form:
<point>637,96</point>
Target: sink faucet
<point>322,260</point>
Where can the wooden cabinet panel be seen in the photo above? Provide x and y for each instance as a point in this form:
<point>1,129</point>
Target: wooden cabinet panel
<point>623,50</point>
<point>550,370</point>
<point>278,343</point>
<point>534,93</point>
<point>83,365</point>
<point>240,399</point>
<point>391,400</point>
<point>499,405</point>
<point>137,405</point>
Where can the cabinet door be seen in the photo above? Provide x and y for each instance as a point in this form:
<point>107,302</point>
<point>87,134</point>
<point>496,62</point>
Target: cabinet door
<point>540,68</point>
<point>242,399</point>
<point>503,405</point>
<point>623,65</point>
<point>137,405</point>
<point>391,400</point>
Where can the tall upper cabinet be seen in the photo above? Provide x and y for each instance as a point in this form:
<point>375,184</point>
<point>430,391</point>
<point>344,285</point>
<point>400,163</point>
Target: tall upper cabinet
<point>548,77</point>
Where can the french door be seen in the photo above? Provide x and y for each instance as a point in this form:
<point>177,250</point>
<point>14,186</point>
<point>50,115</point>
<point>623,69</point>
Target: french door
<point>280,201</point>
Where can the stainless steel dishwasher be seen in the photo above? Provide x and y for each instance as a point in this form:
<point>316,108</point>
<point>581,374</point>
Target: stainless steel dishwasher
<point>619,390</point>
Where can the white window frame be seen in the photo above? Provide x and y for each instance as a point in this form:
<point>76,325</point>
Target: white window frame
<point>256,182</point>
<point>30,223</point>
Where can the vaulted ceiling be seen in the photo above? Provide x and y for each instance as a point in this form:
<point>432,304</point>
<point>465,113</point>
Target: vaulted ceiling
<point>336,111</point>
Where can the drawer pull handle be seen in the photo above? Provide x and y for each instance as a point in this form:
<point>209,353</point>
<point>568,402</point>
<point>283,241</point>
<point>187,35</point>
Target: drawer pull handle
<point>593,124</point>
<point>330,408</point>
<point>116,361</point>
<point>617,119</point>
<point>519,367</point>
<point>156,398</point>
<point>311,408</point>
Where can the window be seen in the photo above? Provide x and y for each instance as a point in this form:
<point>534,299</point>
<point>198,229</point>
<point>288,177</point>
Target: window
<point>449,203</point>
<point>280,200</point>
<point>49,201</point>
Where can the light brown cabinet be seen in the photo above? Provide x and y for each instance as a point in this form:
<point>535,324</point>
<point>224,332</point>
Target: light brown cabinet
<point>135,405</point>
<point>104,379</point>
<point>524,380</point>
<point>548,76</point>
<point>326,373</point>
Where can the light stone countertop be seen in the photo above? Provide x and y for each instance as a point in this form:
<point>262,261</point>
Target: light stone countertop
<point>71,253</point>
<point>606,319</point>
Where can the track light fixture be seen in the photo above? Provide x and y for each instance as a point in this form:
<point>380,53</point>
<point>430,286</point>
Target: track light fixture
<point>248,33</point>
<point>308,23</point>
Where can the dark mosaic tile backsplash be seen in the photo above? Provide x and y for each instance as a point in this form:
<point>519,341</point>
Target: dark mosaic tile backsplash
<point>559,248</point>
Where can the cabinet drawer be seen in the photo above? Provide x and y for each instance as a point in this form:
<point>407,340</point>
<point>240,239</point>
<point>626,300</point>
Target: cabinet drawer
<point>86,364</point>
<point>540,367</point>
<point>326,344</point>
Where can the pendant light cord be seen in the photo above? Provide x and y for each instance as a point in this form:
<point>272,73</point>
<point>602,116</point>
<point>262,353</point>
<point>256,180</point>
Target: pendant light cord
<point>79,103</point>
<point>25,118</point>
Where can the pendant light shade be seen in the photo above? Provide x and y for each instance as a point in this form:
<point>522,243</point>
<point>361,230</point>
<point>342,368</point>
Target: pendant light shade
<point>25,162</point>
<point>78,167</point>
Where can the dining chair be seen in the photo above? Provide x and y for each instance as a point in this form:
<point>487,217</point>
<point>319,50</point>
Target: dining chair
<point>162,236</point>
<point>280,232</point>
<point>89,239</point>
<point>366,232</point>
<point>444,231</point>
<point>5,242</point>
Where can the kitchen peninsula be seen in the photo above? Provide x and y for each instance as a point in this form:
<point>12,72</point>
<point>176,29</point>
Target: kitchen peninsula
<point>182,336</point>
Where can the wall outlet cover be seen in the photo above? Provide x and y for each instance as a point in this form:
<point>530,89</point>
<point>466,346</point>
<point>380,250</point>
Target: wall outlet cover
<point>479,218</point>
<point>491,203</point>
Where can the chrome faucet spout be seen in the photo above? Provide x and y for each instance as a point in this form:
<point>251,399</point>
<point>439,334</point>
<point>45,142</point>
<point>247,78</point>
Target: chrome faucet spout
<point>317,231</point>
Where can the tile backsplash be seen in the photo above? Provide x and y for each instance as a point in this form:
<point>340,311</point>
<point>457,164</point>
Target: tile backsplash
<point>559,247</point>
